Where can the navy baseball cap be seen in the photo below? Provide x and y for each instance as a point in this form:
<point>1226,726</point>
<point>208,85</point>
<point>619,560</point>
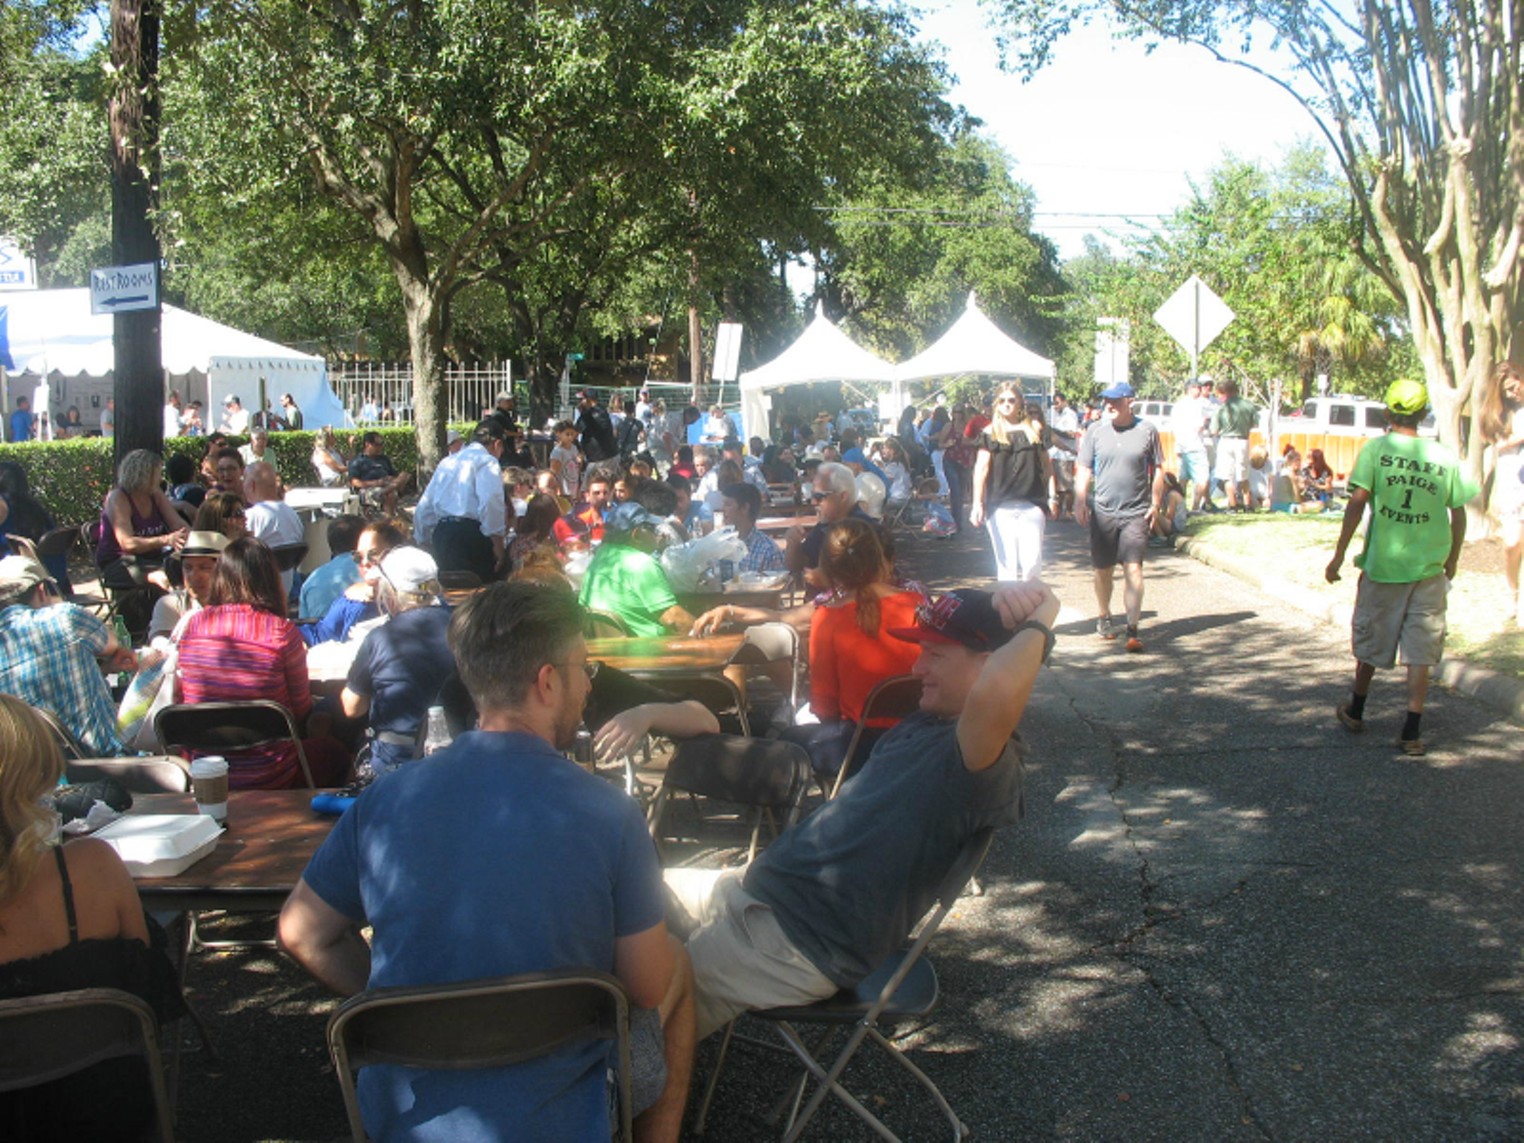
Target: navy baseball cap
<point>966,618</point>
<point>1118,391</point>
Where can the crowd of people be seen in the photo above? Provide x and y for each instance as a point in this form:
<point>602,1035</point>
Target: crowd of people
<point>548,546</point>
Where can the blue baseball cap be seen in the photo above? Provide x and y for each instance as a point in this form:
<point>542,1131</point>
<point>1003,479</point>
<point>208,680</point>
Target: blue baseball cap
<point>1118,391</point>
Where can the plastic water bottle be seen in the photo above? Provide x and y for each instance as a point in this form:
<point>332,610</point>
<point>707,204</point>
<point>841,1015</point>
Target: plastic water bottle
<point>437,736</point>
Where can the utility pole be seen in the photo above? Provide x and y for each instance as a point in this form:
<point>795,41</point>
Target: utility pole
<point>133,112</point>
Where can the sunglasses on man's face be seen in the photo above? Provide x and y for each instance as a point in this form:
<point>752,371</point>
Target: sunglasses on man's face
<point>820,493</point>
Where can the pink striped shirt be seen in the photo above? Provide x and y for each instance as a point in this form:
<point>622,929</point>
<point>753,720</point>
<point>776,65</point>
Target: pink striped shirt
<point>235,653</point>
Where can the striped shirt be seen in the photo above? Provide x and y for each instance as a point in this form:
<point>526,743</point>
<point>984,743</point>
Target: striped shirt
<point>48,659</point>
<point>762,554</point>
<point>236,653</point>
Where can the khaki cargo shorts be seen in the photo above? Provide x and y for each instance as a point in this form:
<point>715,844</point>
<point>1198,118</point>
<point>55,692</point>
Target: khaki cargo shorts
<point>1405,617</point>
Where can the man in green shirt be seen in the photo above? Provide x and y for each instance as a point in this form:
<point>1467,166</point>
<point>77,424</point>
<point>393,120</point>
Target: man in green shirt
<point>626,580</point>
<point>1416,493</point>
<point>1233,421</point>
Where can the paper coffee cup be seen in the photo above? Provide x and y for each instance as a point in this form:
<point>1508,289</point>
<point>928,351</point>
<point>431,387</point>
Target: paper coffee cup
<point>209,784</point>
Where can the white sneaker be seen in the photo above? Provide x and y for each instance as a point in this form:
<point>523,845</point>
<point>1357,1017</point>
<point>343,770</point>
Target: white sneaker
<point>1104,629</point>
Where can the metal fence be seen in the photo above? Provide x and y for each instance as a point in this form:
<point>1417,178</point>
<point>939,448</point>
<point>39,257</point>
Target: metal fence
<point>375,393</point>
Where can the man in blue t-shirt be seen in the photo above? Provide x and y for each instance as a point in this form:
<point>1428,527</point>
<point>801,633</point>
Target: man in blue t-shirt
<point>23,421</point>
<point>494,857</point>
<point>839,892</point>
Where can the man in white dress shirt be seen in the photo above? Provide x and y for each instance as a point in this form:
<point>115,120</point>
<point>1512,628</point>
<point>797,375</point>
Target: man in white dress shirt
<point>269,518</point>
<point>462,517</point>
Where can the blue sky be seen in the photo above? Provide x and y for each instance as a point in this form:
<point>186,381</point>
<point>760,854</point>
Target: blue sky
<point>1108,132</point>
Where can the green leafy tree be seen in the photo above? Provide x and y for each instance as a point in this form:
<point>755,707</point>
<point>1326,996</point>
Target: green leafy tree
<point>1422,104</point>
<point>903,256</point>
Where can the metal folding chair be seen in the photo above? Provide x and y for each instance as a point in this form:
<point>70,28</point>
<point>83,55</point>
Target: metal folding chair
<point>480,1024</point>
<point>228,728</point>
<point>766,775</point>
<point>152,775</point>
<point>903,988</point>
<point>49,1037</point>
<point>603,625</point>
<point>895,698</point>
<point>716,692</point>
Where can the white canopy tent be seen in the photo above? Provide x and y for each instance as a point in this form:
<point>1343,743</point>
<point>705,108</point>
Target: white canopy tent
<point>821,353</point>
<point>975,346</point>
<point>53,331</point>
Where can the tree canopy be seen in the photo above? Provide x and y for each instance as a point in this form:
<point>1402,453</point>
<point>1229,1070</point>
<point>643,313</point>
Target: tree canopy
<point>1422,104</point>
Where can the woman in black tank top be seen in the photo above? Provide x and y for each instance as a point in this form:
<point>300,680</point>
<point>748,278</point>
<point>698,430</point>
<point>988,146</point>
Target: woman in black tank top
<point>1011,487</point>
<point>69,920</point>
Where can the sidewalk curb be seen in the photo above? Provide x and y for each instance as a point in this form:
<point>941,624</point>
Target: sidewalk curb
<point>1498,691</point>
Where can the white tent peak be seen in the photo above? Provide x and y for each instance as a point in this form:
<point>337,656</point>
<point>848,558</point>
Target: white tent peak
<point>975,345</point>
<point>973,300</point>
<point>821,353</point>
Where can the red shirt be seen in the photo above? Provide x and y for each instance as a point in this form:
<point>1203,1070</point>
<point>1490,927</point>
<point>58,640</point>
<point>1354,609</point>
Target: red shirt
<point>846,664</point>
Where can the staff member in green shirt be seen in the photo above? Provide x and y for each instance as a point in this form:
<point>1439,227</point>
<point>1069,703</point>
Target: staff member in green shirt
<point>1417,494</point>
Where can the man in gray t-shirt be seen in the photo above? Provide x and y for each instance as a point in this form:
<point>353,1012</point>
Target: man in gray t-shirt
<point>1119,484</point>
<point>836,894</point>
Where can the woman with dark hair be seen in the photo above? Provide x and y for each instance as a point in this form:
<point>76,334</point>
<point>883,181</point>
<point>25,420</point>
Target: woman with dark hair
<point>1317,477</point>
<point>222,512</point>
<point>70,918</point>
<point>1503,429</point>
<point>536,528</point>
<point>851,650</point>
<point>22,514</point>
<point>180,474</point>
<point>240,647</point>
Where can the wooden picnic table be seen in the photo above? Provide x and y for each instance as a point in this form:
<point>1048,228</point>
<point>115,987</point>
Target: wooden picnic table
<point>784,523</point>
<point>270,836</point>
<point>667,654</point>
<point>699,602</point>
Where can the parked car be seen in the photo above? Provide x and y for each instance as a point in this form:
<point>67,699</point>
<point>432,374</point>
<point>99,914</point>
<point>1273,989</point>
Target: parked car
<point>1156,413</point>
<point>1344,415</point>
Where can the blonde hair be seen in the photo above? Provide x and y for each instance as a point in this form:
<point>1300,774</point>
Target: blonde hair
<point>1000,428</point>
<point>135,473</point>
<point>30,765</point>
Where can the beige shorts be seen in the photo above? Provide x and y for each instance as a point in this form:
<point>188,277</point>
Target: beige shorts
<point>741,958</point>
<point>1406,617</point>
<point>1232,460</point>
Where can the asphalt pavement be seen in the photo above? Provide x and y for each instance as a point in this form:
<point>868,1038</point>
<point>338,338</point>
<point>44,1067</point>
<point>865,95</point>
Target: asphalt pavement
<point>1223,917</point>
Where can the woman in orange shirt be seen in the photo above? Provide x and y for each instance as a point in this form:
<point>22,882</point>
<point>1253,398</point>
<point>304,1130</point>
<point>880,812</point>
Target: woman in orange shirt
<point>851,650</point>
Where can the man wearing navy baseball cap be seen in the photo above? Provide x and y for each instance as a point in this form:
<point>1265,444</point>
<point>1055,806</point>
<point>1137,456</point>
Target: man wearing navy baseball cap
<point>1118,487</point>
<point>836,894</point>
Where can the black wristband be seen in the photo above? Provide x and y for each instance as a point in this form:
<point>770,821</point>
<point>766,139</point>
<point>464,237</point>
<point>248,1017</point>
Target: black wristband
<point>1047,633</point>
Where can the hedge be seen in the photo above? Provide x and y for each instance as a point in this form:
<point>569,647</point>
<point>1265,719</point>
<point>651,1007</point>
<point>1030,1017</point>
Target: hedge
<point>72,477</point>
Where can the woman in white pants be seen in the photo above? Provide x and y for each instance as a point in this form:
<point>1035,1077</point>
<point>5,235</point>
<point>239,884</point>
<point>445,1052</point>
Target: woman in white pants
<point>1011,488</point>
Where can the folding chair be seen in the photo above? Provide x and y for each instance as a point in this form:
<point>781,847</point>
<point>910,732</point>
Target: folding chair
<point>228,728</point>
<point>766,644</point>
<point>480,1024</point>
<point>49,1037</point>
<point>903,988</point>
<point>895,698</point>
<point>153,775</point>
<point>716,692</point>
<point>766,775</point>
<point>289,557</point>
<point>112,598</point>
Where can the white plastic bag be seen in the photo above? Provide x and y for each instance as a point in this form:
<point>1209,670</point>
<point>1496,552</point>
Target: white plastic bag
<point>685,564</point>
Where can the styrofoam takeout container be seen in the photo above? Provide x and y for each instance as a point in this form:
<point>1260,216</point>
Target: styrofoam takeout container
<point>161,845</point>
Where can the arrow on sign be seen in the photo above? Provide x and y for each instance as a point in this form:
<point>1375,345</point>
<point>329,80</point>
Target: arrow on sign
<point>138,299</point>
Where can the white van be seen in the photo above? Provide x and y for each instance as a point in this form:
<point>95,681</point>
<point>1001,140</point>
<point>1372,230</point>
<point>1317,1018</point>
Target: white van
<point>1344,416</point>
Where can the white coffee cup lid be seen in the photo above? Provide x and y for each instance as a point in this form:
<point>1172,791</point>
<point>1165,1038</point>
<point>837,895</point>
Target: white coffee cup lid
<point>211,766</point>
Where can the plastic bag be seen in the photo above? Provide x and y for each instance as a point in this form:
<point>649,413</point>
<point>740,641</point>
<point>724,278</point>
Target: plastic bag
<point>686,564</point>
<point>152,689</point>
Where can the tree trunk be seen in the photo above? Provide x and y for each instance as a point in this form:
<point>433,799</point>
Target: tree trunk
<point>425,334</point>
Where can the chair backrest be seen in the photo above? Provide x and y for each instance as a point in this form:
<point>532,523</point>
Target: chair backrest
<point>289,556</point>
<point>896,697</point>
<point>962,870</point>
<point>153,775</point>
<point>21,546</point>
<point>603,625</point>
<point>49,1037</point>
<point>71,746</point>
<point>227,728</point>
<point>58,541</point>
<point>480,1024</point>
<point>91,531</point>
<point>716,692</point>
<point>766,772</point>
